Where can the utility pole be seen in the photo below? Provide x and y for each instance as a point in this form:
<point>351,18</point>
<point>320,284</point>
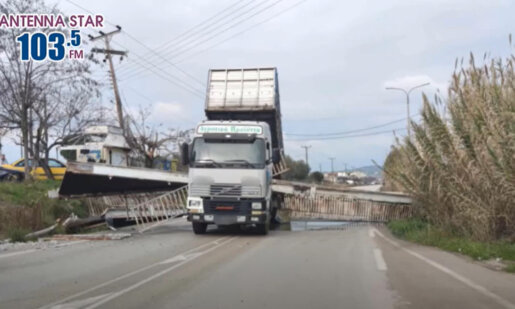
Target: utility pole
<point>407,93</point>
<point>108,52</point>
<point>332,164</point>
<point>306,147</point>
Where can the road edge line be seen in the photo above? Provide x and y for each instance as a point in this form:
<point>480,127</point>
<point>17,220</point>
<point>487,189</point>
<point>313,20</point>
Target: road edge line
<point>380,262</point>
<point>505,303</point>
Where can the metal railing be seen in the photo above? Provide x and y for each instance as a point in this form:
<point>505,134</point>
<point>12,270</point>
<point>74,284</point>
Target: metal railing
<point>345,208</point>
<point>155,211</point>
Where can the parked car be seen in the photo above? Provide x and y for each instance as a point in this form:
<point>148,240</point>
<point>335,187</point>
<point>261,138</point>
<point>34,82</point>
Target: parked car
<point>16,170</point>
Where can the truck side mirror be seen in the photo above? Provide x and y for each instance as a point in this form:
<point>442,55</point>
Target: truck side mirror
<point>185,154</point>
<point>276,156</point>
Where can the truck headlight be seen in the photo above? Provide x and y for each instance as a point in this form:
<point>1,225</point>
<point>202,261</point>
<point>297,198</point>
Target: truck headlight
<point>257,205</point>
<point>194,202</point>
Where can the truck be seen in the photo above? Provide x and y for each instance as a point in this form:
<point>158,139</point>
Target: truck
<point>236,152</point>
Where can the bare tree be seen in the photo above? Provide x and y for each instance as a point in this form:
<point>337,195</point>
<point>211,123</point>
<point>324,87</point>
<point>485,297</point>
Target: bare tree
<point>43,99</point>
<point>151,141</point>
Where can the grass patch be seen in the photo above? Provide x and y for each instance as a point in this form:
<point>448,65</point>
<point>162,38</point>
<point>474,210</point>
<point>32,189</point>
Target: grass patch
<point>17,234</point>
<point>510,268</point>
<point>421,232</point>
<point>26,205</point>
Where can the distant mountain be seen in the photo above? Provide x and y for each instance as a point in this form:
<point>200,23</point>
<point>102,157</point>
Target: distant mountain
<point>370,170</point>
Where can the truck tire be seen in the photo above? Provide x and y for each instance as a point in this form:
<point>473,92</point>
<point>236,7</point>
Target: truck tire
<point>199,227</point>
<point>262,229</point>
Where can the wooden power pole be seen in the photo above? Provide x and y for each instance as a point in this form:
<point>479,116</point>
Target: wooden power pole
<point>108,52</point>
<point>332,164</point>
<point>306,148</point>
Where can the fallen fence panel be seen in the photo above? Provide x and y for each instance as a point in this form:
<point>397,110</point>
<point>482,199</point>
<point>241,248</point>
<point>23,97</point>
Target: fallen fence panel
<point>345,208</point>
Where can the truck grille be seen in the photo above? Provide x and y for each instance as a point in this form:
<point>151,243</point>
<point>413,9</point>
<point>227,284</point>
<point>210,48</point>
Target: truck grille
<point>225,190</point>
<point>226,207</point>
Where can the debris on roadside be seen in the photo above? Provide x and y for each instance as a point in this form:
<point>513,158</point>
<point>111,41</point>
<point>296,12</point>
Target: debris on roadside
<point>99,236</point>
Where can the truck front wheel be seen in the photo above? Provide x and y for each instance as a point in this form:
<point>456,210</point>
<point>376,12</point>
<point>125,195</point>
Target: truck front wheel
<point>199,227</point>
<point>263,229</point>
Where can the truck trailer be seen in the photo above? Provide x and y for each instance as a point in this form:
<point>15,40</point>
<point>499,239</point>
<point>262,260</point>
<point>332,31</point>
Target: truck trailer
<point>232,155</point>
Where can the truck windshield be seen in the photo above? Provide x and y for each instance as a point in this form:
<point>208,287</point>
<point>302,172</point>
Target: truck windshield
<point>221,153</point>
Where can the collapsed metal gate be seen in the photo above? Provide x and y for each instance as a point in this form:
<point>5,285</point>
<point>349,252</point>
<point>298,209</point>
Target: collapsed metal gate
<point>159,209</point>
<point>345,208</point>
<point>280,167</point>
<point>145,209</point>
<point>150,209</point>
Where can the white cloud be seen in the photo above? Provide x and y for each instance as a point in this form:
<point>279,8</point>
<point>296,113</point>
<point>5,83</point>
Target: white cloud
<point>163,112</point>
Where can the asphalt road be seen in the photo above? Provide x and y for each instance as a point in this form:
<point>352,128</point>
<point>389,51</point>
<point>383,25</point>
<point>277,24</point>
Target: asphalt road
<point>358,266</point>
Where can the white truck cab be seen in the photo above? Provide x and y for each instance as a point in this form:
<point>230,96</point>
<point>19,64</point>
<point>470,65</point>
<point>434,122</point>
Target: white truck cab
<point>230,174</point>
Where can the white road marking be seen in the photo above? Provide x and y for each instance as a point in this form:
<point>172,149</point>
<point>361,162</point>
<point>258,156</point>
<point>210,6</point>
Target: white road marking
<point>371,233</point>
<point>380,263</point>
<point>505,303</point>
<point>159,274</point>
<point>17,253</point>
<point>177,258</point>
<point>96,287</point>
<point>81,303</point>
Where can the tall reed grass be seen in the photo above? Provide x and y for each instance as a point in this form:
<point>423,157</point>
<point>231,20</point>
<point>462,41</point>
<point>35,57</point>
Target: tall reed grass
<point>459,164</point>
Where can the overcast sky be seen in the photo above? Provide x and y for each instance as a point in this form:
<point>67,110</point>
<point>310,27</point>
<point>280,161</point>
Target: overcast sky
<point>334,60</point>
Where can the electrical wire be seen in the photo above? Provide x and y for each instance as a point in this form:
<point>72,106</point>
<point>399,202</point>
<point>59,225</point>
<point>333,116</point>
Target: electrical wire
<point>230,10</point>
<point>242,32</point>
<point>348,132</point>
<point>141,43</point>
<point>347,136</point>
<point>189,47</point>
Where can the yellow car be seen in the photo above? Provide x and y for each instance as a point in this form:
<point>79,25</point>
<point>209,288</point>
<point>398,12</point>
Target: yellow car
<point>16,170</point>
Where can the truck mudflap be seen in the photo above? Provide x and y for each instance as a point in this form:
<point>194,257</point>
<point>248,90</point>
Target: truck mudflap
<point>229,219</point>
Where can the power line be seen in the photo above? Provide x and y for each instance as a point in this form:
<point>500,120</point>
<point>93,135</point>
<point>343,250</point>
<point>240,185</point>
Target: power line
<point>230,10</point>
<point>179,52</point>
<point>348,136</point>
<point>166,60</point>
<point>178,82</point>
<point>141,43</point>
<point>140,94</point>
<point>243,31</point>
<point>347,132</point>
<point>178,49</point>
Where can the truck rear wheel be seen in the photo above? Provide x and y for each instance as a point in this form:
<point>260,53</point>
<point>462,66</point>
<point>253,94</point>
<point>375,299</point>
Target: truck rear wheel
<point>199,227</point>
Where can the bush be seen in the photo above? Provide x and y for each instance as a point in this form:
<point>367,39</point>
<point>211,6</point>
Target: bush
<point>17,234</point>
<point>26,206</point>
<point>316,177</point>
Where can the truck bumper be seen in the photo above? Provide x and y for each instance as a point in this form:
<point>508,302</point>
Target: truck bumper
<point>229,219</point>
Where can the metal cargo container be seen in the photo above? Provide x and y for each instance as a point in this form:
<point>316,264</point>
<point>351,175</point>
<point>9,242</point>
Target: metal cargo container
<point>246,94</point>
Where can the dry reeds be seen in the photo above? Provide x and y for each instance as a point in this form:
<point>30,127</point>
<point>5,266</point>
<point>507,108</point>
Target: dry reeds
<point>460,164</point>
